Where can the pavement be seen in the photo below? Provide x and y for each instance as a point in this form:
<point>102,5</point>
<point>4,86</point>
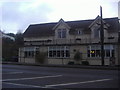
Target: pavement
<point>36,77</point>
<point>106,67</point>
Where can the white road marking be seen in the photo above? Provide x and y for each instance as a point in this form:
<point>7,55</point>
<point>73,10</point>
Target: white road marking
<point>13,73</point>
<point>64,84</point>
<point>24,85</point>
<point>30,78</point>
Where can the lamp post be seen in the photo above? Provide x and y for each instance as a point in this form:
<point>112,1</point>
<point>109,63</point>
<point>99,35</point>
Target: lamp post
<point>102,38</point>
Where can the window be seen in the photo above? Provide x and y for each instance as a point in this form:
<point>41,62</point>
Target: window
<point>58,52</point>
<point>54,53</point>
<point>79,32</point>
<point>92,53</point>
<point>29,52</point>
<point>113,54</point>
<point>88,53</point>
<point>25,54</point>
<point>98,53</point>
<point>96,33</point>
<point>67,53</point>
<point>61,33</point>
<point>95,51</point>
<point>107,52</point>
<point>50,54</point>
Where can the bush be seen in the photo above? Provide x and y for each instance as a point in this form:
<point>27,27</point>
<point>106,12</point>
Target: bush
<point>78,57</point>
<point>85,63</point>
<point>70,63</point>
<point>40,57</point>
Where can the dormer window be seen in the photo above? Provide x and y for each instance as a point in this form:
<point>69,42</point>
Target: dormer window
<point>96,33</point>
<point>61,33</point>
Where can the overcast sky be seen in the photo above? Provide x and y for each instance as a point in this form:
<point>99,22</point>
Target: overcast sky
<point>19,14</point>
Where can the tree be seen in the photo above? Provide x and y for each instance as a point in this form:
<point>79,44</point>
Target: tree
<point>10,48</point>
<point>11,34</point>
<point>19,40</point>
<point>77,57</point>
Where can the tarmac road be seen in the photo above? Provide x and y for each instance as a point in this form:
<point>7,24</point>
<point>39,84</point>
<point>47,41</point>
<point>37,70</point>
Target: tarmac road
<point>21,76</point>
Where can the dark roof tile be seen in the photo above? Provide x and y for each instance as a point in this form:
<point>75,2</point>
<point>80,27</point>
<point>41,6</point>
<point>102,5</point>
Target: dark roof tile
<point>43,30</point>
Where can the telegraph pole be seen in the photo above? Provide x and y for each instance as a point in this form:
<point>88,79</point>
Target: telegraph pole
<point>102,38</point>
<point>118,46</point>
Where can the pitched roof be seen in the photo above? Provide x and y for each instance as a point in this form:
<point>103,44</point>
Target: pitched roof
<point>46,29</point>
<point>60,22</point>
<point>114,24</point>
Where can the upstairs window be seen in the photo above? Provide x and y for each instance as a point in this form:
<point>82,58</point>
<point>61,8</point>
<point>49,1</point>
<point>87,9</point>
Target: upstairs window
<point>79,32</point>
<point>61,33</point>
<point>96,33</point>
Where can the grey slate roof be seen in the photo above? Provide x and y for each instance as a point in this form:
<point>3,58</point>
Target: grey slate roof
<point>45,29</point>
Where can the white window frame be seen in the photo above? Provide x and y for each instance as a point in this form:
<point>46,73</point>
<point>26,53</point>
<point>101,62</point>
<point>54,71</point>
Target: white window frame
<point>58,48</point>
<point>30,52</point>
<point>98,33</point>
<point>61,31</point>
<point>97,47</point>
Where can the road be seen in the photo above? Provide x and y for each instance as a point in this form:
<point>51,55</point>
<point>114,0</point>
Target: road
<point>21,76</point>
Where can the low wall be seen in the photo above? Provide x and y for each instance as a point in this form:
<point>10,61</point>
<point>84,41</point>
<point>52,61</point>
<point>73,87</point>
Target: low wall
<point>58,61</point>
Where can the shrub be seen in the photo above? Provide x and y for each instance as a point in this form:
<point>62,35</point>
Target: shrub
<point>85,63</point>
<point>70,63</point>
<point>40,57</point>
<point>77,57</point>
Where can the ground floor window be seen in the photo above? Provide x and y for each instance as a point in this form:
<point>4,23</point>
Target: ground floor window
<point>29,52</point>
<point>95,51</point>
<point>58,52</point>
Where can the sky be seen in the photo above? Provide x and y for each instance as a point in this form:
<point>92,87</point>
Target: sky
<point>17,15</point>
